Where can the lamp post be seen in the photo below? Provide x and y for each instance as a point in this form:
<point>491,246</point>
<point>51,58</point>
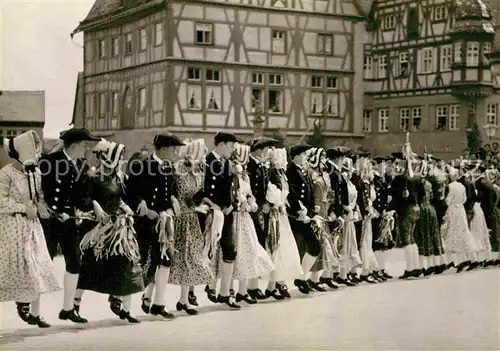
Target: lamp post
<point>490,130</point>
<point>258,121</point>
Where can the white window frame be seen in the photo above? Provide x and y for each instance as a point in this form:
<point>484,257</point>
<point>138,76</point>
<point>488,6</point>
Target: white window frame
<point>404,115</point>
<point>457,52</point>
<point>427,60</point>
<point>389,22</point>
<point>454,116</point>
<point>382,66</point>
<point>403,58</point>
<point>446,58</point>
<point>383,120</point>
<point>278,41</point>
<point>275,79</point>
<point>143,39</point>
<point>212,75</point>
<point>329,80</point>
<point>115,46</point>
<point>486,51</point>
<point>194,73</point>
<point>206,30</point>
<point>158,33</point>
<point>317,82</point>
<point>280,105</point>
<point>492,114</point>
<point>472,54</point>
<point>368,67</point>
<point>129,44</point>
<point>416,112</point>
<point>440,13</point>
<point>442,111</point>
<point>115,104</point>
<point>324,44</point>
<point>257,78</point>
<point>102,48</point>
<point>143,100</point>
<point>367,121</point>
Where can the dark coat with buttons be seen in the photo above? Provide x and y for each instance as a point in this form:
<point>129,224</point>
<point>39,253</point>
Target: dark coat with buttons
<point>382,189</point>
<point>152,182</point>
<point>63,183</point>
<point>218,181</point>
<point>300,189</point>
<point>259,176</point>
<point>339,188</point>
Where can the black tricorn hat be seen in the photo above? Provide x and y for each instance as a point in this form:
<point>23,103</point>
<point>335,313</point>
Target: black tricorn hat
<point>222,137</point>
<point>75,135</point>
<point>362,154</point>
<point>338,151</point>
<point>435,159</point>
<point>167,140</point>
<point>261,143</point>
<point>299,149</point>
<point>380,159</point>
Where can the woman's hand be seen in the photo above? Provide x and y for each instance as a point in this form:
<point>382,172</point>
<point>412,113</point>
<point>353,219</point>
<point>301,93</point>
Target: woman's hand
<point>43,211</point>
<point>31,210</point>
<point>100,215</point>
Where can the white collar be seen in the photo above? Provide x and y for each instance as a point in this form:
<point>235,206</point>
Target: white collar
<point>217,156</point>
<point>157,159</point>
<point>69,158</point>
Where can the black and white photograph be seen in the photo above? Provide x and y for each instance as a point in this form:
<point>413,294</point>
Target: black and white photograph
<point>250,175</point>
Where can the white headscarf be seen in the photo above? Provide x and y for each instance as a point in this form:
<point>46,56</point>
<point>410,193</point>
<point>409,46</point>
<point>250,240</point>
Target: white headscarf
<point>25,148</point>
<point>109,153</point>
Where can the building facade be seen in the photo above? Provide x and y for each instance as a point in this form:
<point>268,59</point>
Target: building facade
<point>196,67</point>
<point>20,111</point>
<point>427,72</point>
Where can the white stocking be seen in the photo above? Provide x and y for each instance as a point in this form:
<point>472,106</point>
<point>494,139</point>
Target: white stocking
<point>343,273</point>
<point>409,258</point>
<point>148,293</point>
<point>438,260</point>
<point>226,277</point>
<point>35,307</point>
<point>231,285</point>
<point>271,285</point>
<point>70,284</point>
<point>161,281</point>
<point>315,276</point>
<point>253,283</point>
<point>242,287</point>
<point>184,294</point>
<point>423,262</point>
<point>307,263</point>
<point>127,303</point>
<point>380,256</point>
<point>472,256</point>
<point>415,256</point>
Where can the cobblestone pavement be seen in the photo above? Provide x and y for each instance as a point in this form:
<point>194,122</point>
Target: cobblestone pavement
<point>449,312</point>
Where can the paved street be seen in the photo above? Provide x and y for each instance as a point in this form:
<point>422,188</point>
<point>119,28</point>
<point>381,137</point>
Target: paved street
<point>441,313</point>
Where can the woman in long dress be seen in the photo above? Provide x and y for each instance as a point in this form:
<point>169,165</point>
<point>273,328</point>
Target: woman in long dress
<point>26,270</point>
<point>458,241</point>
<point>111,258</point>
<point>489,197</point>
<point>252,260</point>
<point>349,251</point>
<point>189,268</point>
<point>286,257</point>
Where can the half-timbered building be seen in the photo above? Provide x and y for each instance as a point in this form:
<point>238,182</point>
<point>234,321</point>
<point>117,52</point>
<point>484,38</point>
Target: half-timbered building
<point>199,66</point>
<point>426,72</point>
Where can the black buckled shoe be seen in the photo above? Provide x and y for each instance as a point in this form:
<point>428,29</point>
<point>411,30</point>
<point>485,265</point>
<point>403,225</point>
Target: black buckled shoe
<point>186,308</point>
<point>406,275</point>
<point>353,277</point>
<point>192,299</point>
<point>246,298</point>
<point>283,289</point>
<point>146,304</point>
<point>38,321</point>
<point>256,294</point>
<point>211,294</point>
<point>328,282</point>
<point>72,315</point>
<point>126,315</point>
<point>274,293</point>
<point>302,286</point>
<point>345,282</point>
<point>23,310</point>
<point>440,269</point>
<point>228,300</point>
<point>115,305</point>
<point>315,286</point>
<point>158,310</point>
<point>387,276</point>
<point>368,279</point>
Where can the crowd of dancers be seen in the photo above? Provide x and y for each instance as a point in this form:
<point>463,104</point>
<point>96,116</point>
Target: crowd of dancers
<point>242,212</point>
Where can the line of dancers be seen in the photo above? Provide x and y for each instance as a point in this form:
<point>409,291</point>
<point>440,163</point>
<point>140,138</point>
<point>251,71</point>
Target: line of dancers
<point>241,213</point>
